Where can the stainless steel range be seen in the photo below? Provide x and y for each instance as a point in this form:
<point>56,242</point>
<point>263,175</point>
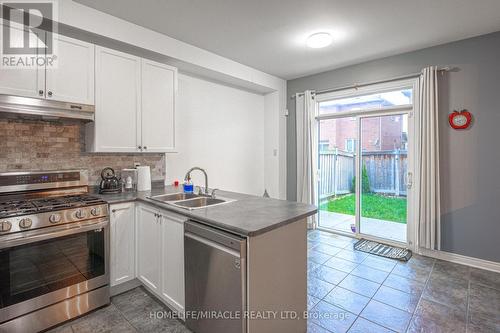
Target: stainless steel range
<point>54,249</point>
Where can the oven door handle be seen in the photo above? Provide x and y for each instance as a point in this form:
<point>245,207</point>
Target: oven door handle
<point>66,230</point>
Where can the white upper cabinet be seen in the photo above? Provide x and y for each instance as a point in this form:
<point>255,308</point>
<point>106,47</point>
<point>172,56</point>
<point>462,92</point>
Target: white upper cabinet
<point>122,249</point>
<point>117,91</point>
<point>22,81</point>
<point>135,105</point>
<point>72,79</point>
<point>159,87</point>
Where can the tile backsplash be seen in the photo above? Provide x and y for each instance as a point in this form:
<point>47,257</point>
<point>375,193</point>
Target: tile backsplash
<point>55,145</point>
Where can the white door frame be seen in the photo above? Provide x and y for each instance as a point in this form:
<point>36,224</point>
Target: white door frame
<point>411,111</point>
<point>410,170</point>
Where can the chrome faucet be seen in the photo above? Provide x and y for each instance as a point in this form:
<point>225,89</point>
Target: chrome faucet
<point>188,176</point>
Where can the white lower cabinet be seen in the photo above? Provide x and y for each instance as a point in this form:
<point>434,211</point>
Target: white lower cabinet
<point>160,253</point>
<point>172,262</point>
<point>149,246</point>
<point>122,236</point>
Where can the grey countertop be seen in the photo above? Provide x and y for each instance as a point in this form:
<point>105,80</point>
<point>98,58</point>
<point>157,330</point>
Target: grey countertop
<point>247,216</point>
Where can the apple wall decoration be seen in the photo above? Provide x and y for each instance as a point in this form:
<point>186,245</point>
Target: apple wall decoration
<point>460,119</point>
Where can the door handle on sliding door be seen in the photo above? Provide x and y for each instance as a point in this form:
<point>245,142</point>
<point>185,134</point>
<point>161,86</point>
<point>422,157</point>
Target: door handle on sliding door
<point>409,180</point>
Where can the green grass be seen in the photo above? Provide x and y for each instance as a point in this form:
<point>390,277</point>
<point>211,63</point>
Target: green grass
<point>372,205</point>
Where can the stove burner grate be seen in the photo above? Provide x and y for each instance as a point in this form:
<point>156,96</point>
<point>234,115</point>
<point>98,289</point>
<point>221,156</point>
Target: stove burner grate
<point>32,206</point>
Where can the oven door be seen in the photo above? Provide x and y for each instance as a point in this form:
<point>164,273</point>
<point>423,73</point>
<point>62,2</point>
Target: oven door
<point>42,267</point>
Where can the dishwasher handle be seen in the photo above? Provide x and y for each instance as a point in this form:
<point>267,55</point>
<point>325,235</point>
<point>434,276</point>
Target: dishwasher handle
<point>211,244</point>
<point>220,237</point>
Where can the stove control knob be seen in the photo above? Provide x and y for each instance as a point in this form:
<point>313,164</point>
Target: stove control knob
<point>25,223</point>
<point>55,218</point>
<point>96,211</point>
<point>80,214</point>
<point>5,226</point>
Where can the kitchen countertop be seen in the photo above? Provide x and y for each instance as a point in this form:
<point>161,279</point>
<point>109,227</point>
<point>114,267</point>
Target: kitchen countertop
<point>247,216</point>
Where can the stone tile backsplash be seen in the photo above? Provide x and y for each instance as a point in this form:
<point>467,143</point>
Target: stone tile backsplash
<point>56,145</point>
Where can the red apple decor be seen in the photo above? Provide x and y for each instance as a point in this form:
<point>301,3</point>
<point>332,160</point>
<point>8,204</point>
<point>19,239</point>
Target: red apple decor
<point>460,119</point>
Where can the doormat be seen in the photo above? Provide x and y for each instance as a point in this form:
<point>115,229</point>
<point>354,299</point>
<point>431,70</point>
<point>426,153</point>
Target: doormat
<point>383,250</point>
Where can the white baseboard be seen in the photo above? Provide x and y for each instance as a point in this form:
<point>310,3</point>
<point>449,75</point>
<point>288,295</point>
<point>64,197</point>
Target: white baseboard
<point>448,256</point>
<point>460,259</point>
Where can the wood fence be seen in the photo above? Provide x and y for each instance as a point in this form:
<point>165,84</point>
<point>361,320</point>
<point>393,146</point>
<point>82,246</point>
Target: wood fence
<point>386,171</point>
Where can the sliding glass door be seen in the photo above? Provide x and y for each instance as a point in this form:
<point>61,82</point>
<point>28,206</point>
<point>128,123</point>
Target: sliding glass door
<point>365,148</point>
<point>337,170</point>
<point>384,167</point>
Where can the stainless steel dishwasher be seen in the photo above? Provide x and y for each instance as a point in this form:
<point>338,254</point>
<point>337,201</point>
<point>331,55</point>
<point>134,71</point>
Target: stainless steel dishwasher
<point>215,277</point>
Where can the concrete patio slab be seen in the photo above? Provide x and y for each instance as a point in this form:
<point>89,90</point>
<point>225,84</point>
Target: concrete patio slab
<point>379,228</point>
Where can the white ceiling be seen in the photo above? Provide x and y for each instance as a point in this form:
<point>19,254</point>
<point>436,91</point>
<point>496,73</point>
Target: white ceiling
<point>270,34</point>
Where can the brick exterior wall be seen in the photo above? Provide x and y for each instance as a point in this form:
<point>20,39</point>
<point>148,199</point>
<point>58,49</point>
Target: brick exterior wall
<point>41,145</point>
<point>379,133</point>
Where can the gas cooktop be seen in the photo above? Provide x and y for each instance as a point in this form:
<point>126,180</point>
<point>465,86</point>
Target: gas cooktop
<point>19,206</point>
<point>46,199</point>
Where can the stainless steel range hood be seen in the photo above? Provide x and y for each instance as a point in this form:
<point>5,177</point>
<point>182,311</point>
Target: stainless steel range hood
<point>25,106</point>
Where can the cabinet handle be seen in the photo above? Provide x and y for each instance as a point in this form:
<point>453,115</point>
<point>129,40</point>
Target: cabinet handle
<point>49,93</point>
<point>40,92</point>
<point>140,147</point>
<point>145,147</point>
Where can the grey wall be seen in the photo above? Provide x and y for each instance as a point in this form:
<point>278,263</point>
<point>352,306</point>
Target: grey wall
<point>470,160</point>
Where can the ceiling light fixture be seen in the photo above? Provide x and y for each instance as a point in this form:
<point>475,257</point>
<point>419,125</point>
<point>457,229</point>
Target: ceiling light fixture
<point>319,40</point>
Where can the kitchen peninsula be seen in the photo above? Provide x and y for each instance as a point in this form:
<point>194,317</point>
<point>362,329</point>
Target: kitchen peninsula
<point>150,248</point>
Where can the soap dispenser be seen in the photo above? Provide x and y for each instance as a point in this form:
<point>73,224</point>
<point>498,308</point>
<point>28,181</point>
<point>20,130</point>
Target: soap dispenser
<point>188,186</point>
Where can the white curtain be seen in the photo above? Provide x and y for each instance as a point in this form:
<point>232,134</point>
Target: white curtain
<point>305,107</point>
<point>429,214</point>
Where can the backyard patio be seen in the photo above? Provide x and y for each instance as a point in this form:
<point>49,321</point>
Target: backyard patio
<point>383,202</point>
<point>375,227</point>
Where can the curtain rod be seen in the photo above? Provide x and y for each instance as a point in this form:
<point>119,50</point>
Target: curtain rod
<point>356,86</point>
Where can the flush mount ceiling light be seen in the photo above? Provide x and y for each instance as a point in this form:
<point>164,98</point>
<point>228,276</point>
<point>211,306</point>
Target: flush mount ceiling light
<point>319,40</point>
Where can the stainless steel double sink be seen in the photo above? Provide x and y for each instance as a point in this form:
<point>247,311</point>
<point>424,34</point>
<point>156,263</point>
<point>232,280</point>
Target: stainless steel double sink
<point>190,200</point>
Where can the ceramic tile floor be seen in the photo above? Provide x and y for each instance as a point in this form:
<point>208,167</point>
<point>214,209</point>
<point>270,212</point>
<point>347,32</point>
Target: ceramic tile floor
<point>128,313</point>
<point>349,291</point>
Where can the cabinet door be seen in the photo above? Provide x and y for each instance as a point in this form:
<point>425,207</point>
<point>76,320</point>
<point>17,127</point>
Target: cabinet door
<point>173,260</point>
<point>122,221</point>
<point>21,81</point>
<point>148,247</point>
<point>159,86</point>
<point>72,78</point>
<point>116,127</point>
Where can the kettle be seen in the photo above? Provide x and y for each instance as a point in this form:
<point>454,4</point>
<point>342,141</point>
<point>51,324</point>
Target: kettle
<point>110,183</point>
